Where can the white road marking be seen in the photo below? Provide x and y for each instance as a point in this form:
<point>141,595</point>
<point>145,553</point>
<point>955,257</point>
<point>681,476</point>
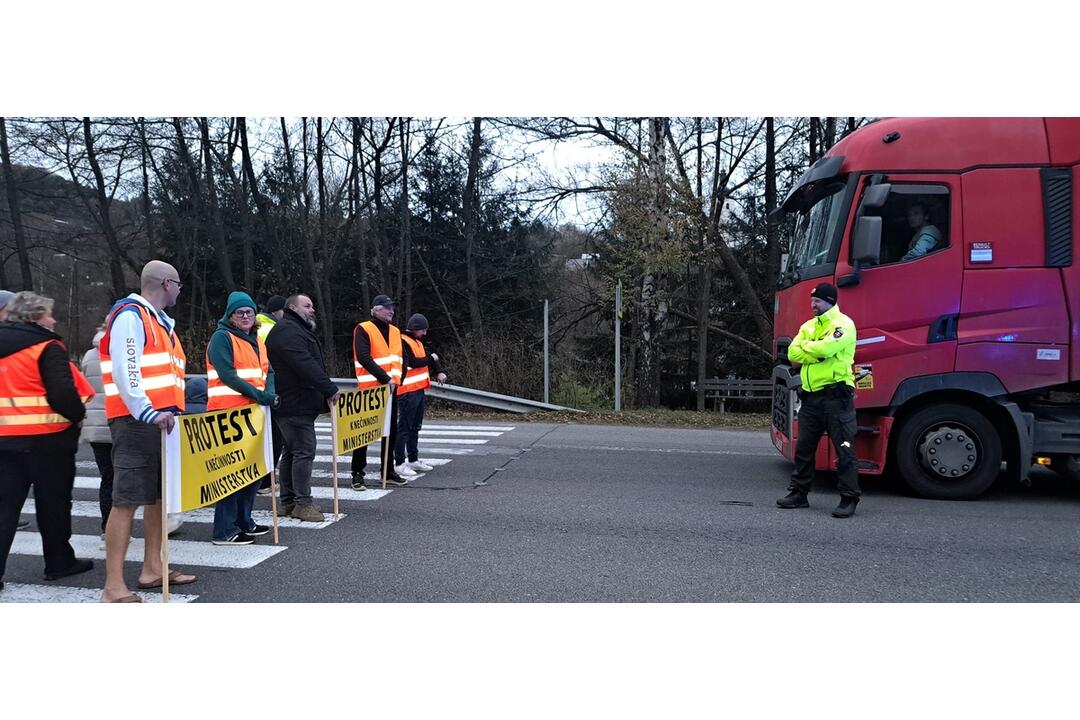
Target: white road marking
<point>181,552</point>
<point>23,593</point>
<point>87,508</point>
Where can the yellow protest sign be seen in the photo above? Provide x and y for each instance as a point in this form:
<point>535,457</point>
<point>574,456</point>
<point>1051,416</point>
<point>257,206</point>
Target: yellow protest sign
<point>214,454</point>
<point>360,418</point>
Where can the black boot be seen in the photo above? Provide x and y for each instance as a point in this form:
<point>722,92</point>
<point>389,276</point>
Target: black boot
<point>846,508</point>
<point>79,566</point>
<point>794,499</point>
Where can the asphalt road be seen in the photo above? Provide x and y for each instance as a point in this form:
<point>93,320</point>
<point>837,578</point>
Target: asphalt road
<point>573,513</point>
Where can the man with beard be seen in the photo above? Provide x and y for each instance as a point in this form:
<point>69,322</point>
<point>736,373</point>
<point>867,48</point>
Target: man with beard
<point>306,390</point>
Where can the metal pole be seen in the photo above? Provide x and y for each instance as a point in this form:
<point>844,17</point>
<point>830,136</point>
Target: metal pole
<point>618,347</point>
<point>547,363</point>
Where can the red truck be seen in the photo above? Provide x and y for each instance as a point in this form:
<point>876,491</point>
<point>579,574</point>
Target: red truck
<point>953,243</point>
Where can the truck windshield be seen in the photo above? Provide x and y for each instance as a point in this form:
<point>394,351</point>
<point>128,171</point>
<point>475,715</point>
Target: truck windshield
<point>816,233</point>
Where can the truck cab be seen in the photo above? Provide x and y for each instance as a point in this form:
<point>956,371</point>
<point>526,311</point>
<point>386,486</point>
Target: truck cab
<point>952,243</point>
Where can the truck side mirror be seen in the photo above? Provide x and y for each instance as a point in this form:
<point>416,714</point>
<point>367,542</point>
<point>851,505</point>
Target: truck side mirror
<point>875,196</point>
<point>866,241</point>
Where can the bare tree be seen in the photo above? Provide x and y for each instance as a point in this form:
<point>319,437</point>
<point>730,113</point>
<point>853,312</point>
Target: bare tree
<point>13,206</point>
<point>471,211</point>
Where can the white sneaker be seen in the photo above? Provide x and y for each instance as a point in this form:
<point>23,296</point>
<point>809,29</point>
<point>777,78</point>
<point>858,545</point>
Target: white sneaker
<point>102,545</point>
<point>404,470</point>
<point>175,521</point>
<point>420,466</point>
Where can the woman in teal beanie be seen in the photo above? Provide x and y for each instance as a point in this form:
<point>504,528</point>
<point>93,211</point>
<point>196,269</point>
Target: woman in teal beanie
<point>238,373</point>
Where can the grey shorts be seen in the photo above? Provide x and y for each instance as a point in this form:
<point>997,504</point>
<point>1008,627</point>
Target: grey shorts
<point>136,457</point>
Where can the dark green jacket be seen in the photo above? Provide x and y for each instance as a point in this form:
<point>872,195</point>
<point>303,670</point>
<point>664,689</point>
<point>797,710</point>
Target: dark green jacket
<point>220,353</point>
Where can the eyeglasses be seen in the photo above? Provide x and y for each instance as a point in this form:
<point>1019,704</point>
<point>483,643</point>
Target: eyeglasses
<point>244,313</point>
<point>179,285</point>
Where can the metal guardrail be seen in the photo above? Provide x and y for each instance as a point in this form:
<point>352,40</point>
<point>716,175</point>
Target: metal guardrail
<point>457,393</point>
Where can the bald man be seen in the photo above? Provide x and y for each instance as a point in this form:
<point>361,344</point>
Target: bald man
<point>142,370</point>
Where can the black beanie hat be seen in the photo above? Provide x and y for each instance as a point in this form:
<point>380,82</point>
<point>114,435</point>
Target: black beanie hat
<point>417,322</point>
<point>826,292</point>
<point>275,303</point>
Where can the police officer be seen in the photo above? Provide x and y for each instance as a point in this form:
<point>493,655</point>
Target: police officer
<point>825,347</point>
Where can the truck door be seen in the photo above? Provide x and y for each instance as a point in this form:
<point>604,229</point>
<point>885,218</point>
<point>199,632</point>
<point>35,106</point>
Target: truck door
<point>905,307</point>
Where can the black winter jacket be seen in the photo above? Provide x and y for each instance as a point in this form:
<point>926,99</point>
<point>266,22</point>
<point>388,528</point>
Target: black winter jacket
<point>60,391</point>
<point>299,368</point>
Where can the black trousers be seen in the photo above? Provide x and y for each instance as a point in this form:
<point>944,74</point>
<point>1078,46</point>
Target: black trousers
<point>103,458</point>
<point>359,456</point>
<point>52,476</point>
<point>831,410</point>
<point>410,417</point>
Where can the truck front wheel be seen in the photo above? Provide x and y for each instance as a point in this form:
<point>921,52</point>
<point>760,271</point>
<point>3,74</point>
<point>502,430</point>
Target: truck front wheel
<point>948,452</point>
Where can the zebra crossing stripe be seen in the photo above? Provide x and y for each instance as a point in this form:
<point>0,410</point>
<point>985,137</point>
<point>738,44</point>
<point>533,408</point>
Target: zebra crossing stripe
<point>24,593</point>
<point>86,508</point>
<point>181,552</point>
<point>430,426</point>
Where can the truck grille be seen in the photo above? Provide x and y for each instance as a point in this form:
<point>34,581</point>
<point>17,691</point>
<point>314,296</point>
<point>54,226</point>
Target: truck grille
<point>780,408</point>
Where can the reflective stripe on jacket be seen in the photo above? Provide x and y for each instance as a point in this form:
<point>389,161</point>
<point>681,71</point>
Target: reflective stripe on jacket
<point>825,347</point>
<point>250,366</point>
<point>162,366</point>
<point>386,356</point>
<point>416,378</point>
<point>24,406</point>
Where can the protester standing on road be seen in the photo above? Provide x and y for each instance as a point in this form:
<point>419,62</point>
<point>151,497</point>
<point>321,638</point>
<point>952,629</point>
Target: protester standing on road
<point>305,389</point>
<point>377,361</point>
<point>264,323</point>
<point>95,430</point>
<point>238,373</point>
<point>825,347</point>
<point>42,396</point>
<point>5,296</point>
<point>419,366</point>
<point>142,369</point>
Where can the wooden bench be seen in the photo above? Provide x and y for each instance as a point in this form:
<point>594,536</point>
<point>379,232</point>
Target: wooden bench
<point>722,390</point>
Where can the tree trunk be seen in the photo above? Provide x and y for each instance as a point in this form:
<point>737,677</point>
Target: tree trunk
<point>814,122</point>
<point>215,226</point>
<point>653,306</point>
<point>144,150</point>
<point>705,284</point>
<point>405,257</point>
<point>104,216</point>
<point>362,231</point>
<point>472,221</point>
<point>262,205</point>
<point>326,306</point>
<point>305,236</point>
<point>13,207</point>
<point>772,235</point>
<point>830,135</point>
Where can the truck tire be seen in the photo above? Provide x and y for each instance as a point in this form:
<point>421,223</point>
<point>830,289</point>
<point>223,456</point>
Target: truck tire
<point>948,452</point>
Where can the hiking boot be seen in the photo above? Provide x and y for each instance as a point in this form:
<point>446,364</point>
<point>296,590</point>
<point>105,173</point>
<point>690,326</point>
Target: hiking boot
<point>420,466</point>
<point>237,539</point>
<point>285,510</point>
<point>307,513</point>
<point>846,508</point>
<point>79,566</point>
<point>794,499</point>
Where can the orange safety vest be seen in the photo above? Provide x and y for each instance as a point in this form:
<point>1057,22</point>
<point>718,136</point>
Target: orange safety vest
<point>162,366</point>
<point>24,409</point>
<point>251,366</point>
<point>415,378</point>
<point>388,357</point>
